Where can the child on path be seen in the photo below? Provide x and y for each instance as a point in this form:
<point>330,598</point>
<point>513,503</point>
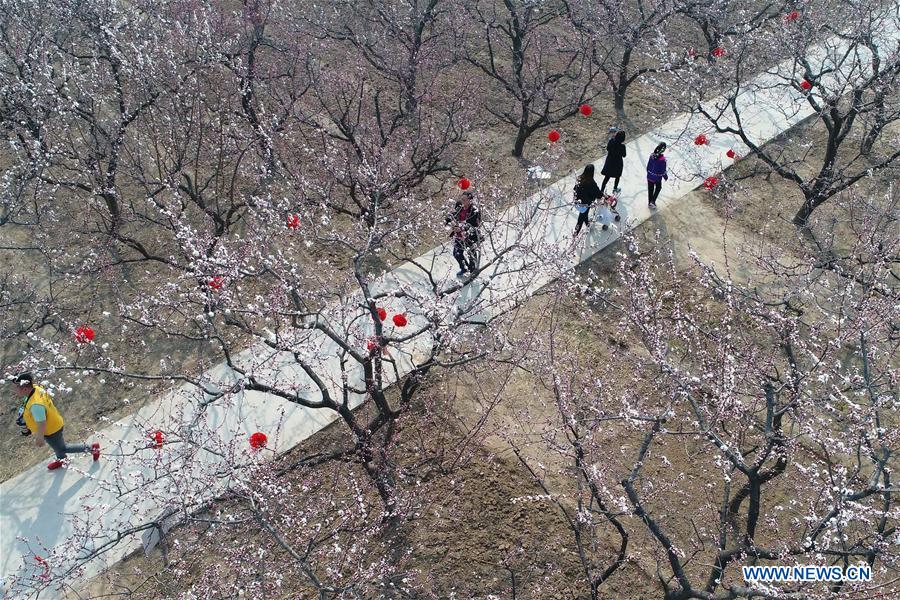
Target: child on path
<point>614,163</point>
<point>42,419</point>
<point>464,221</point>
<point>586,192</point>
<point>656,172</point>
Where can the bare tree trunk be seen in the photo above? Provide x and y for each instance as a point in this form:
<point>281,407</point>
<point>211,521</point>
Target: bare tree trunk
<point>800,219</point>
<point>810,203</point>
<point>522,133</point>
<point>621,88</point>
<point>619,101</point>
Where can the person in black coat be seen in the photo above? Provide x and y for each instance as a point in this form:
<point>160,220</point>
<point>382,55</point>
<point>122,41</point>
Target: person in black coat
<point>615,155</point>
<point>464,221</point>
<point>586,192</point>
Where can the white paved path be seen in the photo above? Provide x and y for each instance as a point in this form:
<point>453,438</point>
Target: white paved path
<point>61,516</point>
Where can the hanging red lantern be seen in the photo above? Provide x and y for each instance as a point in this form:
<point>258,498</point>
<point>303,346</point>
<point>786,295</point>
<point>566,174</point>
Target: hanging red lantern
<point>157,438</point>
<point>730,153</point>
<point>400,320</point>
<point>792,16</point>
<point>553,136</point>
<point>84,334</point>
<point>217,282</point>
<point>718,52</point>
<point>585,110</point>
<point>464,183</point>
<point>382,314</point>
<point>258,440</point>
<point>806,85</point>
<point>710,182</point>
<point>372,345</point>
<point>293,221</point>
<point>701,140</point>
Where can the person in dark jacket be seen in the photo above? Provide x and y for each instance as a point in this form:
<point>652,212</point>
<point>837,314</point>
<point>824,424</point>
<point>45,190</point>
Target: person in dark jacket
<point>586,192</point>
<point>612,167</point>
<point>656,172</point>
<point>464,221</point>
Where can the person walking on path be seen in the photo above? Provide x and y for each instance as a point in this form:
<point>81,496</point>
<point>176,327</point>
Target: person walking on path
<point>465,221</point>
<point>586,192</point>
<point>614,163</point>
<point>44,421</point>
<point>656,172</point>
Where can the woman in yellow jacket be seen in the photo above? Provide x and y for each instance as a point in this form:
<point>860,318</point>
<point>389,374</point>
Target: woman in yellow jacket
<point>44,421</point>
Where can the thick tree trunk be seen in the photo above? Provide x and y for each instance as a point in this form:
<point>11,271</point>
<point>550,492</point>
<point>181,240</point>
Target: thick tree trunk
<point>871,136</point>
<point>619,101</point>
<point>115,213</point>
<point>522,134</point>
<point>621,88</point>
<point>818,192</point>
<point>802,216</point>
<point>519,146</point>
<point>810,203</point>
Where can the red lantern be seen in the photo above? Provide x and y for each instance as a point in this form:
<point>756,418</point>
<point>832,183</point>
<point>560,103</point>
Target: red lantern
<point>372,345</point>
<point>792,16</point>
<point>84,334</point>
<point>293,221</point>
<point>553,136</point>
<point>400,320</point>
<point>730,154</point>
<point>217,282</point>
<point>157,438</point>
<point>382,314</point>
<point>586,110</point>
<point>718,52</point>
<point>806,85</point>
<point>258,440</point>
<point>701,140</point>
<point>710,182</point>
<point>464,183</point>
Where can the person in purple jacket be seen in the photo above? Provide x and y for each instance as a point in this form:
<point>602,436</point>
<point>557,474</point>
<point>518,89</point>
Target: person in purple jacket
<point>656,172</point>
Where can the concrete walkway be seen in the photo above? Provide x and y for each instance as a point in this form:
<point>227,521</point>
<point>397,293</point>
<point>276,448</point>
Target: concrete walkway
<point>50,521</point>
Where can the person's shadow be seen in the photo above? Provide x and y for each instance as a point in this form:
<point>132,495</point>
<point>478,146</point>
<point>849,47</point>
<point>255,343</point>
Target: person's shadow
<point>34,505</point>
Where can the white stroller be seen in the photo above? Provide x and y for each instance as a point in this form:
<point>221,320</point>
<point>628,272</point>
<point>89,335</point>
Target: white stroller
<point>606,212</point>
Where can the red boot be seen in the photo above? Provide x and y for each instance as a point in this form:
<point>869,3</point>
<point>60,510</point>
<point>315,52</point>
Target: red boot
<point>95,451</point>
<point>54,465</point>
